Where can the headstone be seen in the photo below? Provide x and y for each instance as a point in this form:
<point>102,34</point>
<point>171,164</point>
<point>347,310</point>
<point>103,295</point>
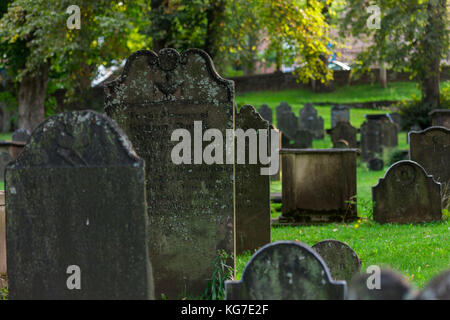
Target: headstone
<point>311,121</point>
<point>440,118</point>
<point>340,259</point>
<point>302,139</point>
<point>376,164</point>
<point>344,131</point>
<point>413,128</point>
<point>438,288</point>
<point>406,194</point>
<point>21,135</point>
<point>371,146</point>
<point>190,205</point>
<point>285,270</point>
<point>389,134</point>
<point>391,286</point>
<point>76,213</point>
<point>339,113</point>
<point>252,191</point>
<point>397,119</point>
<point>287,122</point>
<point>5,158</point>
<point>266,113</point>
<point>318,185</point>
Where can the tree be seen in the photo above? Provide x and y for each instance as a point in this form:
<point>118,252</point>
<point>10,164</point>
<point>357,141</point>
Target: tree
<point>37,44</point>
<point>412,38</point>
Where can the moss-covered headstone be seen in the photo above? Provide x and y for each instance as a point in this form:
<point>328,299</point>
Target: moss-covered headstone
<point>252,188</point>
<point>285,270</point>
<point>311,121</point>
<point>76,213</point>
<point>190,202</point>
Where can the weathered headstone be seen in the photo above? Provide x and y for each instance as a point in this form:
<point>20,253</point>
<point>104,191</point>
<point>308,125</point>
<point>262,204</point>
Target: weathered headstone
<point>76,213</point>
<point>440,118</point>
<point>340,259</point>
<point>252,190</point>
<point>285,270</point>
<point>5,158</point>
<point>397,119</point>
<point>344,131</point>
<point>287,122</point>
<point>406,194</point>
<point>376,164</point>
<point>391,286</point>
<point>302,139</point>
<point>21,135</point>
<point>339,113</point>
<point>437,289</point>
<point>389,134</point>
<point>371,146</point>
<point>190,204</point>
<point>311,121</point>
<point>318,185</point>
<point>266,113</point>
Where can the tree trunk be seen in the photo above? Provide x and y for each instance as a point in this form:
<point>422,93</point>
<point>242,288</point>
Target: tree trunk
<point>215,15</point>
<point>383,75</point>
<point>159,5</point>
<point>31,98</point>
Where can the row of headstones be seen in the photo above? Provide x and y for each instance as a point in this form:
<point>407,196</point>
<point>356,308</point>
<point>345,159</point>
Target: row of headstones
<point>99,198</point>
<point>329,270</point>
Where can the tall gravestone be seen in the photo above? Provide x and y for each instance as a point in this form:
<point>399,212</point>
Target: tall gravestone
<point>303,139</point>
<point>285,270</point>
<point>389,134</point>
<point>252,190</point>
<point>76,213</point>
<point>266,113</point>
<point>190,204</point>
<point>311,121</point>
<point>371,146</point>
<point>287,122</point>
<point>406,194</point>
<point>339,113</point>
<point>344,131</point>
<point>340,258</point>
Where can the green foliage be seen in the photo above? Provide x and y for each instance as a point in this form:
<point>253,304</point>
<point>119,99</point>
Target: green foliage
<point>216,286</point>
<point>415,113</point>
<point>4,294</point>
<point>395,156</point>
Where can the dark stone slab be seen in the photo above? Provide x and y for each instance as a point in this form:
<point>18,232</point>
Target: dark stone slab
<point>344,131</point>
<point>76,196</point>
<point>376,164</point>
<point>302,139</point>
<point>266,113</point>
<point>371,146</point>
<point>389,134</point>
<point>341,260</point>
<point>311,121</point>
<point>190,206</point>
<point>440,118</point>
<point>287,122</point>
<point>285,270</point>
<point>339,113</point>
<point>252,191</point>
<point>318,185</point>
<point>438,288</point>
<point>393,286</point>
<point>5,158</point>
<point>21,135</point>
<point>406,194</point>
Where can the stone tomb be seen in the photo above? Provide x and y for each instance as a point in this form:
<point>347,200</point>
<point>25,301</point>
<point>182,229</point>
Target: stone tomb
<point>76,213</point>
<point>285,270</point>
<point>406,194</point>
<point>344,131</point>
<point>190,204</point>
<point>341,260</point>
<point>252,191</point>
<point>311,121</point>
<point>339,113</point>
<point>318,185</point>
<point>266,113</point>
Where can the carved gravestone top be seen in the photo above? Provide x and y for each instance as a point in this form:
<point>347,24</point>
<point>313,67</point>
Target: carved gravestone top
<point>75,200</point>
<point>344,131</point>
<point>342,261</point>
<point>438,288</point>
<point>190,202</point>
<point>391,286</point>
<point>252,188</point>
<point>339,113</point>
<point>406,194</point>
<point>266,113</point>
<point>21,135</point>
<point>285,270</point>
<point>431,149</point>
<point>310,120</point>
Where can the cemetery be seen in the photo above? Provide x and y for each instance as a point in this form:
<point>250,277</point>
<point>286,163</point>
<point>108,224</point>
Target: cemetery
<point>167,180</point>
